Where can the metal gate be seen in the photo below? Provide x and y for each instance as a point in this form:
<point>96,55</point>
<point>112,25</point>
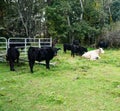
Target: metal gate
<point>22,44</point>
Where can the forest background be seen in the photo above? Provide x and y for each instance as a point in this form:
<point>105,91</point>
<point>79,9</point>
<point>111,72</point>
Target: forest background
<point>86,20</point>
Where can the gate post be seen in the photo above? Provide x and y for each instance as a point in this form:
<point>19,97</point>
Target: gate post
<point>39,43</point>
<point>25,46</point>
<point>51,41</point>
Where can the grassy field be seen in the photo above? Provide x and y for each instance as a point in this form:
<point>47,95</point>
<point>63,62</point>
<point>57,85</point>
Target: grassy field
<point>73,84</point>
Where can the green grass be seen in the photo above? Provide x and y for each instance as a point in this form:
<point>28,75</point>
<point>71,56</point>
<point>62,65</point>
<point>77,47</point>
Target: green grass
<point>73,84</point>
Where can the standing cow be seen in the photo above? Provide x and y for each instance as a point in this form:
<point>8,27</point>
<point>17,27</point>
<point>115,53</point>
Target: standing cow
<point>67,46</point>
<point>40,54</point>
<point>12,55</point>
<point>75,49</point>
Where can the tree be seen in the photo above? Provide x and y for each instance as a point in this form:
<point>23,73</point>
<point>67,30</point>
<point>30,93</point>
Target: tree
<point>77,20</point>
<point>2,11</point>
<point>115,10</point>
<point>56,19</point>
<point>24,17</point>
<point>65,19</point>
<point>81,4</point>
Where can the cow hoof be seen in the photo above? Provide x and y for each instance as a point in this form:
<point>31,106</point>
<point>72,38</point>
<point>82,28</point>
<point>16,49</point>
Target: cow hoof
<point>12,69</point>
<point>31,71</point>
<point>48,68</point>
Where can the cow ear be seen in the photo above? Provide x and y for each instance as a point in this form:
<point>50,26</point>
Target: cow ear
<point>99,50</point>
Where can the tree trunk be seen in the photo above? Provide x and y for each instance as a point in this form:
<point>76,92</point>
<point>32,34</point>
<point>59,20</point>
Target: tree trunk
<point>69,33</point>
<point>81,4</point>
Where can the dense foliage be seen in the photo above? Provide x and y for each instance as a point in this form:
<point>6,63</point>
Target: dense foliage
<point>63,19</point>
<point>115,10</point>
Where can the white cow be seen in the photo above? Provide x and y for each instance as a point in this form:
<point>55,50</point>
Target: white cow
<point>94,54</point>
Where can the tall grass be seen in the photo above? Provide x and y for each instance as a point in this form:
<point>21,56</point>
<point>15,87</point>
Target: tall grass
<point>73,84</point>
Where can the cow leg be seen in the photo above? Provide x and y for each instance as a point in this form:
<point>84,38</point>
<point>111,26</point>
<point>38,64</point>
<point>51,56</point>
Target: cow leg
<point>18,60</point>
<point>31,64</point>
<point>47,64</point>
<point>72,54</point>
<point>64,50</point>
<point>11,65</point>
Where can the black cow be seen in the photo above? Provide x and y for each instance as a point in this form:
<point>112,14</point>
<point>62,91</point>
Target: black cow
<point>78,50</point>
<point>82,50</point>
<point>75,49</point>
<point>66,47</point>
<point>40,54</point>
<point>12,55</point>
<point>103,44</point>
<point>76,42</point>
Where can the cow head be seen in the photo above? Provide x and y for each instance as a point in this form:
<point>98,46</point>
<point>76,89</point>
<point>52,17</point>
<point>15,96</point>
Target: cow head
<point>55,50</point>
<point>101,51</point>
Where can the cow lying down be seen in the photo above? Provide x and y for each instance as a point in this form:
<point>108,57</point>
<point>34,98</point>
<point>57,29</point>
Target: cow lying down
<point>40,54</point>
<point>94,54</point>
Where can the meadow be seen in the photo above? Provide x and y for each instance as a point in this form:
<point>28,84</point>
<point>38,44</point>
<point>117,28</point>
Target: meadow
<point>72,84</point>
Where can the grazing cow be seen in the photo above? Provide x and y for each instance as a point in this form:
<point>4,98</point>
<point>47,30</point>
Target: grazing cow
<point>75,49</point>
<point>103,44</point>
<point>78,50</point>
<point>40,54</point>
<point>94,54</point>
<point>66,47</point>
<point>12,55</point>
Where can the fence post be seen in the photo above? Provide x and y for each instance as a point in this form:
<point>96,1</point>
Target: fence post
<point>25,46</point>
<point>39,43</point>
<point>8,43</point>
<point>51,41</point>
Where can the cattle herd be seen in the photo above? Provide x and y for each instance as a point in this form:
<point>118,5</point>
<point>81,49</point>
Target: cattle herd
<point>47,53</point>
